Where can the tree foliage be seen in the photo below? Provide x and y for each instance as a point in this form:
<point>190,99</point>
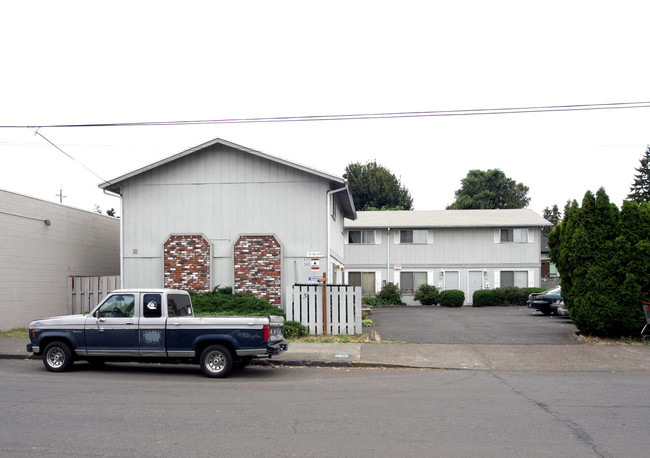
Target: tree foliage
<point>374,187</point>
<point>640,190</point>
<point>552,215</point>
<point>489,190</point>
<point>603,256</point>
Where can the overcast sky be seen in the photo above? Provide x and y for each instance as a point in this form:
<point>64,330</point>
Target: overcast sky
<point>116,62</point>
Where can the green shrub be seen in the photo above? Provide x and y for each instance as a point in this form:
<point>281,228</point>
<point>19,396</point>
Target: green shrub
<point>366,323</point>
<point>221,301</point>
<point>427,295</point>
<point>294,330</point>
<point>390,294</point>
<point>452,298</point>
<point>485,298</point>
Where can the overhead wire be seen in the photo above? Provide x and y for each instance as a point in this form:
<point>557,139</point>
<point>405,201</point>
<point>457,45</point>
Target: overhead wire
<point>358,116</point>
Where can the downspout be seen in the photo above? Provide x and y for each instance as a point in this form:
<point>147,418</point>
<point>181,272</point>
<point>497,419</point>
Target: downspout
<point>119,196</point>
<point>388,257</point>
<point>328,218</point>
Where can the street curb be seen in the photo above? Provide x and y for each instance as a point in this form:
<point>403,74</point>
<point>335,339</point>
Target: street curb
<point>342,364</point>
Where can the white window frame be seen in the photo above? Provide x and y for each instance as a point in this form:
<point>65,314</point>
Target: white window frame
<point>376,238</point>
<point>515,230</point>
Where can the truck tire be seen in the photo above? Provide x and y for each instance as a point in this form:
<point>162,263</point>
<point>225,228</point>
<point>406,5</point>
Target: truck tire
<point>57,357</point>
<point>216,361</point>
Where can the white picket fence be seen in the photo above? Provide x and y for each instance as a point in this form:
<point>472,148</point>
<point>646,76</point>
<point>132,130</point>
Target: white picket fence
<point>343,309</point>
<point>84,292</point>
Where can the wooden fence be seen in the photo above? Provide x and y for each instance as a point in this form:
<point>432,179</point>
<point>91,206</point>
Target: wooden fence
<point>343,309</point>
<point>84,293</point>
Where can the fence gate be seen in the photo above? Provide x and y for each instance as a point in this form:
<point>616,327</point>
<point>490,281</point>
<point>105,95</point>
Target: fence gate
<point>343,308</point>
<point>84,293</point>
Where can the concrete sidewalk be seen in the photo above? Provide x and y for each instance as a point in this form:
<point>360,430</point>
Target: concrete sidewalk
<point>561,358</point>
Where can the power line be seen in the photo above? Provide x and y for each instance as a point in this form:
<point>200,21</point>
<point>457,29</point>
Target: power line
<point>83,165</point>
<point>360,116</point>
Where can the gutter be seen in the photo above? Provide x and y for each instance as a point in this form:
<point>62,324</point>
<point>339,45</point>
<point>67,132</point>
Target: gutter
<point>328,219</point>
<point>119,196</point>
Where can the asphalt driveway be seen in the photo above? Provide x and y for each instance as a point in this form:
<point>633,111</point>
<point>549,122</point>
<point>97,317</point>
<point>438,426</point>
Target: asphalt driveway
<point>513,325</point>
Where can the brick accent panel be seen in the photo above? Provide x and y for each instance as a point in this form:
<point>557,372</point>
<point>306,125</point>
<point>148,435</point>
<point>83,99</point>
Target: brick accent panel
<point>258,267</point>
<point>187,263</point>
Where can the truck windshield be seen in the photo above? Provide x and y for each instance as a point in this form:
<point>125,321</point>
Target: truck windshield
<point>179,305</point>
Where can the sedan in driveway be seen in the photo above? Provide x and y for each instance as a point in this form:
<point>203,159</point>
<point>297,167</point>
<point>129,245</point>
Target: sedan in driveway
<point>546,302</point>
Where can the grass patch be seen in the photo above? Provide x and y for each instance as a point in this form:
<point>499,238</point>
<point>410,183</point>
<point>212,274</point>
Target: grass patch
<point>16,332</point>
<point>629,340</point>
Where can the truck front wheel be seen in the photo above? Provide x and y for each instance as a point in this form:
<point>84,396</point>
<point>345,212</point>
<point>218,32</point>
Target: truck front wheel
<point>57,357</point>
<point>216,361</point>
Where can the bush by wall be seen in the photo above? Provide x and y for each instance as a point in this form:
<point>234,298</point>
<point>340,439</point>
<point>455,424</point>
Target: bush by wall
<point>427,295</point>
<point>390,294</point>
<point>452,298</point>
<point>221,301</point>
<point>485,298</point>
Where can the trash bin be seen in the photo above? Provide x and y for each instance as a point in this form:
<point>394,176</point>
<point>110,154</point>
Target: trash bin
<point>645,332</point>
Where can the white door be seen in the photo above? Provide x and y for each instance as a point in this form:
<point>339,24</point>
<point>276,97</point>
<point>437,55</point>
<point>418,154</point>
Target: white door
<point>452,279</point>
<point>475,284</point>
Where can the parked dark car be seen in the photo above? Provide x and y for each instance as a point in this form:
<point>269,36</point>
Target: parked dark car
<point>546,302</point>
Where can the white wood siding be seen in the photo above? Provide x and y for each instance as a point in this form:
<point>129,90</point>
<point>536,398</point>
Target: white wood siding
<point>223,193</point>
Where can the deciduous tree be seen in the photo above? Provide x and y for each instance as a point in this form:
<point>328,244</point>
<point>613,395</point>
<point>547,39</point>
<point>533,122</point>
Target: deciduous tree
<point>374,187</point>
<point>489,190</point>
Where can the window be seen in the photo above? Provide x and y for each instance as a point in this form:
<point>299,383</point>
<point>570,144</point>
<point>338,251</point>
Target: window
<point>361,237</point>
<point>121,306</point>
<point>364,279</point>
<point>411,281</point>
<point>514,278</point>
<point>179,305</point>
<point>413,236</point>
<point>151,306</point>
<point>514,235</point>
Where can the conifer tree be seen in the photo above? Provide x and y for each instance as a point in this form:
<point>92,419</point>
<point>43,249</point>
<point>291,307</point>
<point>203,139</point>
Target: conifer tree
<point>640,190</point>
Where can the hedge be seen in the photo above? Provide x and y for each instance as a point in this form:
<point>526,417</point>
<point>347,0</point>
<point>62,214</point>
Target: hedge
<point>452,298</point>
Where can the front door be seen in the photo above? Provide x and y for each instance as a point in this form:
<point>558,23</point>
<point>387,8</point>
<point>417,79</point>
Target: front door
<point>113,328</point>
<point>475,284</point>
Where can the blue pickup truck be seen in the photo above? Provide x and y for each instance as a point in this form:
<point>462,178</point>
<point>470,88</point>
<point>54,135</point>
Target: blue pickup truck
<point>155,325</point>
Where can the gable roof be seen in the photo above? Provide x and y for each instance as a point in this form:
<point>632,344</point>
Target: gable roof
<point>447,219</point>
<point>345,198</point>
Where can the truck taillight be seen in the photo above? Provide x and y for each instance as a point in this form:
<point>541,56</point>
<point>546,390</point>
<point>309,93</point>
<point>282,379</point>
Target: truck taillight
<point>267,332</point>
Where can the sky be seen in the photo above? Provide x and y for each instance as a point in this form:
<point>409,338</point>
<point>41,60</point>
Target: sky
<point>124,61</point>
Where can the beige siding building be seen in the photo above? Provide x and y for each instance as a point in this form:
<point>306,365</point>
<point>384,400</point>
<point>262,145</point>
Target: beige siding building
<point>42,244</point>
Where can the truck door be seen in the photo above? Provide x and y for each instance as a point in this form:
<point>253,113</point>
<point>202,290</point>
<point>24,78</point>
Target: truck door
<point>113,328</point>
<point>152,325</point>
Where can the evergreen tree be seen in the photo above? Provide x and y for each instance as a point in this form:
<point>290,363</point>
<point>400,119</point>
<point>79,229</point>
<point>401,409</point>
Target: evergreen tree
<point>374,187</point>
<point>640,190</point>
<point>603,255</point>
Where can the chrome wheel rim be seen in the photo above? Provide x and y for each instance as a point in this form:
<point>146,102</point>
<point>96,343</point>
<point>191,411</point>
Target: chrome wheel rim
<point>55,357</point>
<point>215,362</point>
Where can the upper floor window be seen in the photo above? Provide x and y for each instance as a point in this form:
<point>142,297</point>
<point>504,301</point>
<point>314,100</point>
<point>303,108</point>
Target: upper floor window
<point>413,236</point>
<point>361,237</point>
<point>514,235</point>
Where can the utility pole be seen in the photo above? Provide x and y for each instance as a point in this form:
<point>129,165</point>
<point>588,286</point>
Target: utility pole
<point>60,195</point>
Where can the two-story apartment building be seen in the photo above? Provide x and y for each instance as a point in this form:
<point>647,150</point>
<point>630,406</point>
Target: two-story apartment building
<point>224,214</point>
<point>450,249</point>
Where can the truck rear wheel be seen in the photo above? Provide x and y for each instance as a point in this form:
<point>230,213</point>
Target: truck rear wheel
<point>57,357</point>
<point>216,361</point>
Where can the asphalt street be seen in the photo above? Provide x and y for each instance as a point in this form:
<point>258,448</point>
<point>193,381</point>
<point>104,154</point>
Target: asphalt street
<point>472,325</point>
<point>152,410</point>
